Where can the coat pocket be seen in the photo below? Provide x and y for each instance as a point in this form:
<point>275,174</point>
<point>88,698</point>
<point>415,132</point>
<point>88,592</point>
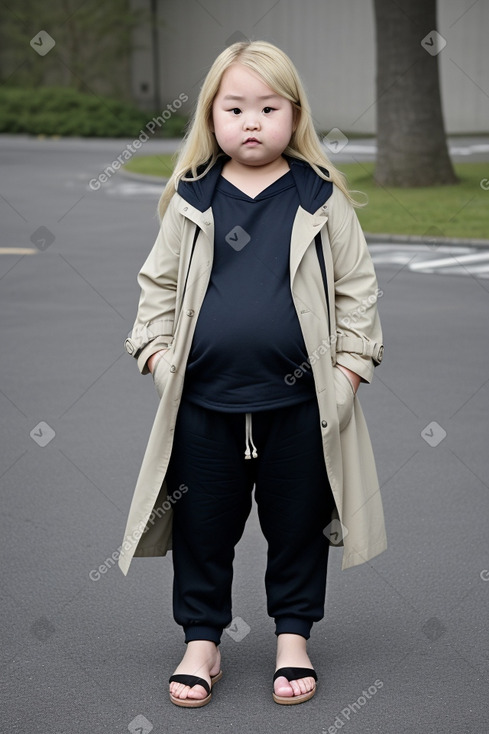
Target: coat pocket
<point>160,373</point>
<point>345,397</point>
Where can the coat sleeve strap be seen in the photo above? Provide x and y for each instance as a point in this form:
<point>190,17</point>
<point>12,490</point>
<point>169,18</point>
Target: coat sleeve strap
<point>357,345</point>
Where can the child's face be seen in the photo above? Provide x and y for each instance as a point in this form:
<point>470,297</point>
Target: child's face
<point>251,122</point>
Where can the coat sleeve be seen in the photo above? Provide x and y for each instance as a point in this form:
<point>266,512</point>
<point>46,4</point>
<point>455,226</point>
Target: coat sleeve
<point>358,332</point>
<point>154,325</point>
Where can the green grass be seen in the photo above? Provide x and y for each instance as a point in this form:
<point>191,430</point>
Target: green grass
<point>151,165</point>
<point>459,211</point>
<point>446,211</point>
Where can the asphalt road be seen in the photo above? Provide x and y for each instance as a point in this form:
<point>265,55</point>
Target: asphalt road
<point>404,644</point>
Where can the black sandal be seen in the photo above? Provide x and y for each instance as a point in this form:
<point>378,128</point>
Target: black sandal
<point>193,680</point>
<point>294,674</point>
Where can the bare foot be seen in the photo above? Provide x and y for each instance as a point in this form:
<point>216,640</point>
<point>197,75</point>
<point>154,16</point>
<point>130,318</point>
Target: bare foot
<point>202,658</point>
<point>291,652</point>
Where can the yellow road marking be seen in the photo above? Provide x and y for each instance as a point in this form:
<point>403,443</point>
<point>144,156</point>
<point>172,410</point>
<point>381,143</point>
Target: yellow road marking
<point>18,250</point>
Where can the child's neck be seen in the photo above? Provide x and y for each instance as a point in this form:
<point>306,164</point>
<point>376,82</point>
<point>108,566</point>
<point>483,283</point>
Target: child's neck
<point>254,179</point>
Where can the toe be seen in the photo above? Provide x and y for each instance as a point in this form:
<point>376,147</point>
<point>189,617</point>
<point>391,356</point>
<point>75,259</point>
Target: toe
<point>179,690</point>
<point>176,689</point>
<point>283,687</point>
<point>306,684</point>
<point>296,687</point>
<point>286,688</point>
<point>197,692</point>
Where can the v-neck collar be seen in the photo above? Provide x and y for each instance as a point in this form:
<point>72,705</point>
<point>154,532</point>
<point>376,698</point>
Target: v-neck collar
<point>283,182</point>
<point>313,191</point>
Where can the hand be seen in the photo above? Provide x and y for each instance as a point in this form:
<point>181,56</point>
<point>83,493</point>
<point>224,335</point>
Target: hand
<point>352,376</point>
<point>345,397</point>
<point>154,359</point>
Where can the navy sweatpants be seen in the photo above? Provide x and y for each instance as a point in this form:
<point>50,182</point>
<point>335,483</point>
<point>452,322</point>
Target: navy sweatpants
<point>294,502</point>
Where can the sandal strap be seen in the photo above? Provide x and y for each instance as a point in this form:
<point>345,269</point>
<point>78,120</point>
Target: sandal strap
<point>190,680</point>
<point>295,673</point>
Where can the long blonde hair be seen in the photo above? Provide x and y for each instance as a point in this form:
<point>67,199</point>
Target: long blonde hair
<point>279,73</point>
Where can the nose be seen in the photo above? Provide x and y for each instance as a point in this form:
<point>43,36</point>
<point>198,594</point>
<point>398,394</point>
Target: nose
<point>251,123</point>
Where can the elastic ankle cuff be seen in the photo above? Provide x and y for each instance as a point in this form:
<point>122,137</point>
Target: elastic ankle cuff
<point>202,632</point>
<point>293,626</point>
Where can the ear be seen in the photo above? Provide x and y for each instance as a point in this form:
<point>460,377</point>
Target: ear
<point>211,124</point>
<point>296,118</point>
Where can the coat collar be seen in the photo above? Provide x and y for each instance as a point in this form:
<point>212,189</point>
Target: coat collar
<point>313,190</point>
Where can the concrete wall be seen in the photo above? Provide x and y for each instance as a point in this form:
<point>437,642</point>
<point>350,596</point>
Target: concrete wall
<point>332,43</point>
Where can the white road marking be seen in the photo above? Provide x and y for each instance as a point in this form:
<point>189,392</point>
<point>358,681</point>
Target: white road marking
<point>360,148</point>
<point>467,261</point>
<point>133,188</point>
<point>452,261</point>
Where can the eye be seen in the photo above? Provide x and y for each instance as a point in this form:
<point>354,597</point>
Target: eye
<point>235,111</point>
<point>268,109</point>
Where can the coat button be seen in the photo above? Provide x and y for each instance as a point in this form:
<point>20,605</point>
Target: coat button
<point>130,348</point>
<point>173,368</point>
<point>324,424</point>
<point>185,208</point>
<point>207,223</point>
<point>190,312</point>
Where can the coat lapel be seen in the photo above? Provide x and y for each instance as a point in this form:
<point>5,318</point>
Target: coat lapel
<point>305,228</point>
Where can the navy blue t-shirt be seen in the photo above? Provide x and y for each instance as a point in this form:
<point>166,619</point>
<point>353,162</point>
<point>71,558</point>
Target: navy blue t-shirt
<point>247,337</point>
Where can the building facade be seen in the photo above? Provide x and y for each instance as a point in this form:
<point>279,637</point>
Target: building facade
<point>331,42</point>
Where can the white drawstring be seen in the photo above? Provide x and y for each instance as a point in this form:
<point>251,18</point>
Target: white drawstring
<point>249,439</point>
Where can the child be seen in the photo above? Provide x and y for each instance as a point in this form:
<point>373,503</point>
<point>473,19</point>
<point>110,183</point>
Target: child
<point>258,321</point>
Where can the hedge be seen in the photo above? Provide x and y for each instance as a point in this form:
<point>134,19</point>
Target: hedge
<point>65,111</point>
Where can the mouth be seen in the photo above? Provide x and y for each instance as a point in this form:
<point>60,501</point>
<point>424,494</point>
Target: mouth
<point>251,141</point>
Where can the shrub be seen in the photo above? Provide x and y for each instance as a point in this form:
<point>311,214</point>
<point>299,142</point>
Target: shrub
<point>65,111</point>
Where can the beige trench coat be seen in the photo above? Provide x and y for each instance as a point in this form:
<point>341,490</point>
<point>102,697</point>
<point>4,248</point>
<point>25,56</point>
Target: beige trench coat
<point>171,297</point>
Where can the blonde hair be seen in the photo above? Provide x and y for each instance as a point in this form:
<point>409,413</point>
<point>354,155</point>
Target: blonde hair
<point>200,146</point>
